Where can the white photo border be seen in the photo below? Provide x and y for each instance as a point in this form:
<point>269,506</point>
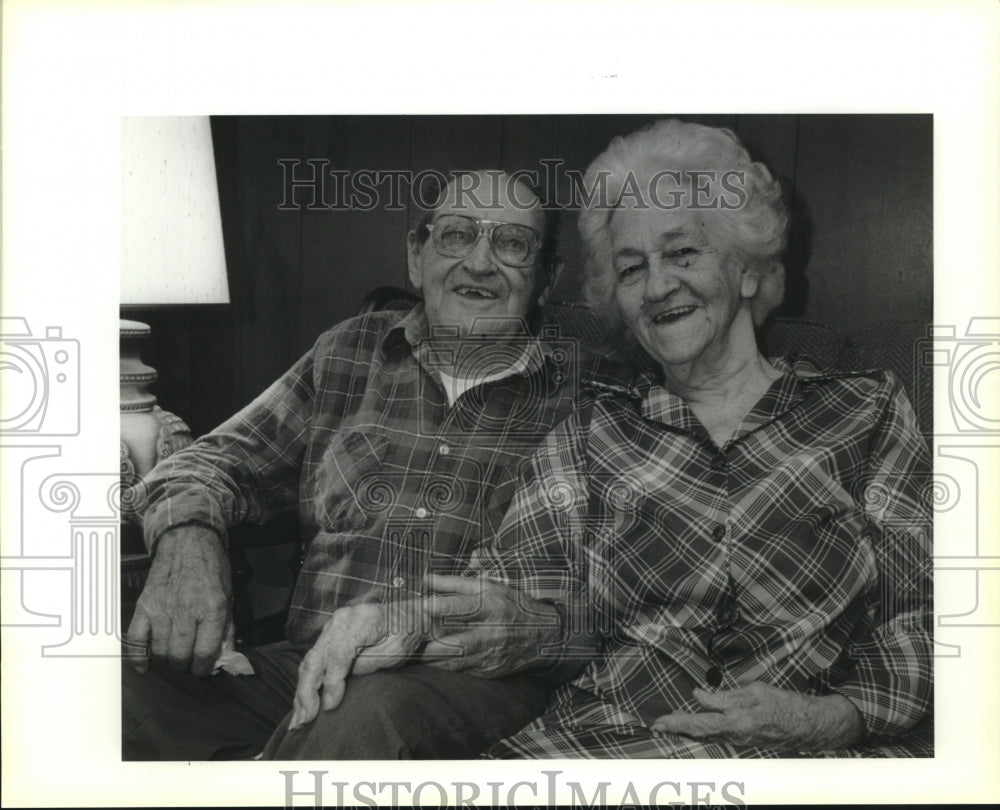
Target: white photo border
<point>71,70</point>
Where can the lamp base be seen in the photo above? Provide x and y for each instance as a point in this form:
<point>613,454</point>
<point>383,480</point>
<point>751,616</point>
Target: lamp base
<point>148,433</point>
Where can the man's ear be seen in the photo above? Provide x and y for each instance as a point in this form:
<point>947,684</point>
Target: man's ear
<point>413,260</point>
<point>546,289</point>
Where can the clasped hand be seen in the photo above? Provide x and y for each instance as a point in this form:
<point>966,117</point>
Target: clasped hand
<point>462,624</point>
<point>766,716</point>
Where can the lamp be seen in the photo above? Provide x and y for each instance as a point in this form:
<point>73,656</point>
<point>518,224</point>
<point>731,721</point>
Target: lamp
<point>172,253</point>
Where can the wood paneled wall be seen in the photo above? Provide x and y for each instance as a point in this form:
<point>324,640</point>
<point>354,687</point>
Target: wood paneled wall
<point>861,248</point>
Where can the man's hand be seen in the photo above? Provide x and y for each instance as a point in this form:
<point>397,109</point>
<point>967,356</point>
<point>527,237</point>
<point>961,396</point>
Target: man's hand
<point>363,629</point>
<point>472,624</point>
<point>765,716</point>
<point>485,627</point>
<point>184,610</point>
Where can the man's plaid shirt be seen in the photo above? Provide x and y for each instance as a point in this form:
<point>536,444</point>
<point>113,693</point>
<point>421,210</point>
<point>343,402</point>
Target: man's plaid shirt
<point>798,554</point>
<point>389,480</point>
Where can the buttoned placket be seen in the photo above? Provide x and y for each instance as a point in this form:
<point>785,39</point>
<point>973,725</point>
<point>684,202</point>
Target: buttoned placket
<point>447,453</point>
<point>409,526</point>
<point>417,518</point>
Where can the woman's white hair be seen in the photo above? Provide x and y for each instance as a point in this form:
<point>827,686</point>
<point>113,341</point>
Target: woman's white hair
<point>754,232</point>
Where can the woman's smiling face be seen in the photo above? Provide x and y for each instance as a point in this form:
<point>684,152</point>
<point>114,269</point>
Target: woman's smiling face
<point>677,292</point>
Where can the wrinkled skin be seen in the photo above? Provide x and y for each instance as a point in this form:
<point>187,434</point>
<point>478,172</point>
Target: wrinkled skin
<point>484,627</point>
<point>766,716</point>
<point>184,612</point>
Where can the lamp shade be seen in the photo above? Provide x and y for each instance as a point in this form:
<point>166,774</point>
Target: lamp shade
<point>172,248</point>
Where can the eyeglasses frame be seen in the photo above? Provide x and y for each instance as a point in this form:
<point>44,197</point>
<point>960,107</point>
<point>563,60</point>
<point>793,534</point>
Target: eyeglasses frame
<point>488,233</point>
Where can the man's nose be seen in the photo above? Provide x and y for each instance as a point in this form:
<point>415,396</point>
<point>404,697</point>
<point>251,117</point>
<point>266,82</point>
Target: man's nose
<point>661,280</point>
<point>480,260</point>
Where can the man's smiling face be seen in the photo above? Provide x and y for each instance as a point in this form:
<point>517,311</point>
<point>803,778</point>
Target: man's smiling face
<point>479,287</point>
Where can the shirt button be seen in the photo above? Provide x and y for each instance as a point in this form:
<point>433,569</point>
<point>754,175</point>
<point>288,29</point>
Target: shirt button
<point>727,613</point>
<point>398,582</point>
<point>719,462</point>
<point>713,677</point>
<point>421,512</point>
<point>444,449</point>
<point>719,532</point>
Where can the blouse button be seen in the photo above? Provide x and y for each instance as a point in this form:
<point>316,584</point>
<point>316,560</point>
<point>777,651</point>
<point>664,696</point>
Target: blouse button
<point>727,612</point>
<point>421,512</point>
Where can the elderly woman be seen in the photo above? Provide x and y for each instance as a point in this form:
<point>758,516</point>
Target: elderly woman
<point>747,535</point>
<point>743,538</point>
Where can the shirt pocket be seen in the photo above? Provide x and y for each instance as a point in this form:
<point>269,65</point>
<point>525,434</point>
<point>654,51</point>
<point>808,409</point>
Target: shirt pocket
<point>348,488</point>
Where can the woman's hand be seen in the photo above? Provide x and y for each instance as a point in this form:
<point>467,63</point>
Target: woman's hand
<point>765,716</point>
<point>487,628</point>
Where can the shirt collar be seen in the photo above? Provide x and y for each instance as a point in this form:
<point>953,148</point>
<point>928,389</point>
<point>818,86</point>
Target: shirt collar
<point>657,404</point>
<point>409,336</point>
<point>407,333</point>
<point>784,394</point>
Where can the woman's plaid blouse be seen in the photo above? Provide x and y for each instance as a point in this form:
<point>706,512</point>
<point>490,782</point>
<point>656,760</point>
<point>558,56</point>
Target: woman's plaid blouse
<point>797,554</point>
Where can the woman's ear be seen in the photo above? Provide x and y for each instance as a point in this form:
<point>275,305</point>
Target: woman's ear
<point>749,281</point>
<point>770,292</point>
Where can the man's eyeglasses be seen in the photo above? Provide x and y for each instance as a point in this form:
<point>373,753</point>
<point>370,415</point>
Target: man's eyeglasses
<point>455,236</point>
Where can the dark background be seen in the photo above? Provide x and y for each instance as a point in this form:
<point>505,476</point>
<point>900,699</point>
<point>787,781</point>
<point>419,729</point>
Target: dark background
<point>860,250</point>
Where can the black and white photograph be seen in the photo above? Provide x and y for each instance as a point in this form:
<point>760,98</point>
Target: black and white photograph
<point>537,489</point>
<point>497,444</point>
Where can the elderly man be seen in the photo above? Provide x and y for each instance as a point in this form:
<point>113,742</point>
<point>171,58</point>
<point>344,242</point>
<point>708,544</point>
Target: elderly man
<point>398,438</point>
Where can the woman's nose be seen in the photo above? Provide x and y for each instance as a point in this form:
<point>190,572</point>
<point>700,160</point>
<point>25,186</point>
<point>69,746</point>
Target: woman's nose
<point>661,280</point>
